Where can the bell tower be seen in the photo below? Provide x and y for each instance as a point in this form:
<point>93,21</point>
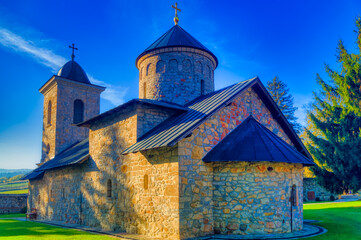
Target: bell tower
<point>69,98</point>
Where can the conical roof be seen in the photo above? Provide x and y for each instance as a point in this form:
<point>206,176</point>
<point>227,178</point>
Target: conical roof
<point>177,37</point>
<point>73,71</point>
<point>253,142</point>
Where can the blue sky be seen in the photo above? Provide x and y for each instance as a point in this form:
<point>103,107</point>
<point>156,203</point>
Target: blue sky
<point>291,39</point>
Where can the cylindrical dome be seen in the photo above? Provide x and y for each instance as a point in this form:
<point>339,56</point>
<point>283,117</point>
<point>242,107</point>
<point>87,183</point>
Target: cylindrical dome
<point>176,68</point>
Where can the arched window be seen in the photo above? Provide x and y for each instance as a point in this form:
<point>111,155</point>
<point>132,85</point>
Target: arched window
<point>187,66</point>
<point>146,181</point>
<point>209,72</point>
<point>39,199</point>
<point>160,68</point>
<point>173,65</point>
<point>144,90</point>
<point>148,70</point>
<point>109,188</point>
<point>49,113</point>
<point>198,68</point>
<point>78,111</point>
<point>202,87</point>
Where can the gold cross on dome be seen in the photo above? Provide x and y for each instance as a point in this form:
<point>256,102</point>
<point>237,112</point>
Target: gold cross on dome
<point>176,19</point>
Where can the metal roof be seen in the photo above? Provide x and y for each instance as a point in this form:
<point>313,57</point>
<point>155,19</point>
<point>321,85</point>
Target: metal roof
<point>73,71</point>
<point>149,102</point>
<point>75,154</point>
<point>253,142</point>
<point>176,37</point>
<point>175,128</point>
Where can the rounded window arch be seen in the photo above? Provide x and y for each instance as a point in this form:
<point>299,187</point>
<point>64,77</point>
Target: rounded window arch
<point>209,72</point>
<point>109,188</point>
<point>187,66</point>
<point>148,69</point>
<point>49,113</point>
<point>198,67</point>
<point>173,65</point>
<point>78,111</point>
<point>160,68</point>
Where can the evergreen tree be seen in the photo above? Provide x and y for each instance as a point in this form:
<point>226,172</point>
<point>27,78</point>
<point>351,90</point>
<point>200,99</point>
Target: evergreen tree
<point>279,92</point>
<point>335,129</point>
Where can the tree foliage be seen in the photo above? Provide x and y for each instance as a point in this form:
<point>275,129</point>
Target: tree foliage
<point>280,94</point>
<point>335,123</point>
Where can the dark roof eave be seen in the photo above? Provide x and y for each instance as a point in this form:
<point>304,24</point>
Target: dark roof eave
<point>88,122</point>
<point>185,46</point>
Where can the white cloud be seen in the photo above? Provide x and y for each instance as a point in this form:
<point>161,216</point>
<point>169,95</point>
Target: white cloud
<point>17,43</point>
<point>114,94</point>
<point>44,56</point>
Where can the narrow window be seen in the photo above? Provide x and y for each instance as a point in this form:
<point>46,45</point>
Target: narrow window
<point>209,72</point>
<point>294,195</point>
<point>49,113</point>
<point>160,68</point>
<point>148,70</point>
<point>109,188</point>
<point>39,199</point>
<point>198,67</point>
<point>187,66</point>
<point>78,111</point>
<point>144,90</point>
<point>146,181</point>
<point>202,87</point>
<point>173,65</point>
<point>51,193</point>
<point>63,193</point>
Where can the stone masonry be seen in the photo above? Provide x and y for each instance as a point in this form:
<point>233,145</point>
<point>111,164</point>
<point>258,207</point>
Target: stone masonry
<point>12,203</point>
<point>58,132</point>
<point>175,76</point>
<point>312,190</point>
<point>170,193</point>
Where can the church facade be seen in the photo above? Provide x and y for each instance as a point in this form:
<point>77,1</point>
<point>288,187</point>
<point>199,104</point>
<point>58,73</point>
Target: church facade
<point>181,161</point>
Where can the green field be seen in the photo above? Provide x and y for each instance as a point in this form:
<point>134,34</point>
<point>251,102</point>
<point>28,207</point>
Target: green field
<point>16,187</point>
<point>341,219</point>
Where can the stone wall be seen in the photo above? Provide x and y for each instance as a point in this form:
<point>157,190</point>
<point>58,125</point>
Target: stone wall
<point>12,203</point>
<point>58,134</point>
<point>253,198</point>
<point>175,76</point>
<point>312,188</point>
<point>196,176</point>
<point>144,186</point>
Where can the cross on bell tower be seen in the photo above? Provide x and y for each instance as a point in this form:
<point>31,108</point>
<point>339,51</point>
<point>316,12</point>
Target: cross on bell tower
<point>176,19</point>
<point>72,54</point>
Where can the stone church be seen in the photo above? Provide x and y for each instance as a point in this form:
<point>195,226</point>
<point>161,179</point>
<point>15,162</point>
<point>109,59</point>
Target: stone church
<point>183,160</point>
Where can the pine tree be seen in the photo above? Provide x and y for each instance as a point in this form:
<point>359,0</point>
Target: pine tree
<point>335,128</point>
<point>279,92</point>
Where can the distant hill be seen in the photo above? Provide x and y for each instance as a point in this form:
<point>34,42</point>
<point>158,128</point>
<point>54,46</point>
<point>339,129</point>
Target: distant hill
<point>8,173</point>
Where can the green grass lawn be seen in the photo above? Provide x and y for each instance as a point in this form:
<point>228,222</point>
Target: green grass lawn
<point>13,229</point>
<point>341,219</point>
<point>17,187</point>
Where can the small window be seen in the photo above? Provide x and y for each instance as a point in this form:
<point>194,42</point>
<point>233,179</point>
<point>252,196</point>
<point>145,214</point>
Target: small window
<point>109,188</point>
<point>198,67</point>
<point>39,199</point>
<point>209,72</point>
<point>51,193</point>
<point>144,90</point>
<point>146,181</point>
<point>148,70</point>
<point>49,113</point>
<point>187,66</point>
<point>294,195</point>
<point>78,111</point>
<point>63,193</point>
<point>173,65</point>
<point>160,68</point>
<point>202,87</point>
